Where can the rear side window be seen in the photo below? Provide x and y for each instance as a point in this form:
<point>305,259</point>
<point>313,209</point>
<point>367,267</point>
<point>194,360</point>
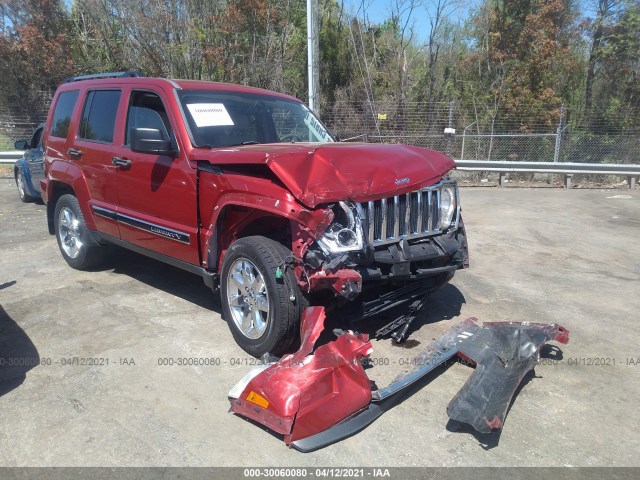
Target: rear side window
<point>62,114</point>
<point>99,116</point>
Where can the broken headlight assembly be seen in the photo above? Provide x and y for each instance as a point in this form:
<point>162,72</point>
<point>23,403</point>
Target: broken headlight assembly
<point>345,233</point>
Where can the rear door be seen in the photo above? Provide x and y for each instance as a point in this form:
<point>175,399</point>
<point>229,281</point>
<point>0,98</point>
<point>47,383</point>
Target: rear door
<point>94,148</point>
<point>156,193</point>
<point>57,133</point>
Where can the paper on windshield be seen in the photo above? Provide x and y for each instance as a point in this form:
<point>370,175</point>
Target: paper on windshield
<point>209,114</point>
<point>316,128</point>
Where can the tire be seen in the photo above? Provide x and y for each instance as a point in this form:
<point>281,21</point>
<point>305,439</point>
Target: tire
<point>22,187</point>
<point>75,240</point>
<point>262,318</point>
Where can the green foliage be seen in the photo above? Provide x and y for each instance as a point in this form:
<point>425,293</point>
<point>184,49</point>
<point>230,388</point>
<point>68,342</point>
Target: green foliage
<point>513,63</point>
<point>35,52</point>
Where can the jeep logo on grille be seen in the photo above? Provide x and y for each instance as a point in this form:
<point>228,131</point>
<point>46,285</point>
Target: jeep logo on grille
<point>402,181</point>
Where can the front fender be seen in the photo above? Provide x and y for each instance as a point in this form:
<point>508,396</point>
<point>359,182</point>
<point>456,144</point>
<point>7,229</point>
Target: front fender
<point>219,192</point>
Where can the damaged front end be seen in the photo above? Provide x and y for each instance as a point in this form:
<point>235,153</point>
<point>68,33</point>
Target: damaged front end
<point>315,398</point>
<point>380,254</point>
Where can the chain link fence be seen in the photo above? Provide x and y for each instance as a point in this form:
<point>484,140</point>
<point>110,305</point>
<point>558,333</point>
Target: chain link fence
<point>557,135</point>
<point>19,125</point>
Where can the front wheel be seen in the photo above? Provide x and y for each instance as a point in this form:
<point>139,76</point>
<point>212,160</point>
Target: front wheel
<point>261,305</point>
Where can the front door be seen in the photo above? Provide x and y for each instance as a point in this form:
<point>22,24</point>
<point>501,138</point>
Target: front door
<point>35,158</point>
<point>156,193</point>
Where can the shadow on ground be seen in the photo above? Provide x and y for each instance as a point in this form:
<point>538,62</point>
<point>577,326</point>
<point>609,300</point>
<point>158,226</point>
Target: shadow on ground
<point>18,354</point>
<point>444,304</point>
<point>156,274</point>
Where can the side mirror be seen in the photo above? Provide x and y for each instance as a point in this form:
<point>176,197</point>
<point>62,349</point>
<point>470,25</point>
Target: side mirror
<point>21,145</point>
<point>150,140</point>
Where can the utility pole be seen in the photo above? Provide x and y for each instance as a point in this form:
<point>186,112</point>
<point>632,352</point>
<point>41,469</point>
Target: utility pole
<point>313,45</point>
<point>556,152</point>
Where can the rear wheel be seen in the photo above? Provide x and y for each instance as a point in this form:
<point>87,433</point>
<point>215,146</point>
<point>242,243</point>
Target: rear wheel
<point>21,183</point>
<point>262,307</point>
<point>75,240</point>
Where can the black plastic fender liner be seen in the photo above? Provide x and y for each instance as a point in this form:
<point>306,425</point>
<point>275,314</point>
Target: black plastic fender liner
<point>503,353</point>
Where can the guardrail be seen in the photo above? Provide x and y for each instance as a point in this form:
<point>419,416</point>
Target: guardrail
<point>568,170</point>
<point>9,158</point>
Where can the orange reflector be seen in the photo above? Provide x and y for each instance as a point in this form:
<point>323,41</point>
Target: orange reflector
<point>253,397</point>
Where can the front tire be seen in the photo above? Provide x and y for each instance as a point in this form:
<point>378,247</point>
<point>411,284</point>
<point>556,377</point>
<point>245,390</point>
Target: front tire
<point>256,301</point>
<point>75,240</point>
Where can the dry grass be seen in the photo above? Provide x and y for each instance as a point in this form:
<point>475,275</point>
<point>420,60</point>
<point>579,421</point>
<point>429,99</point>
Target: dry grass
<point>6,171</point>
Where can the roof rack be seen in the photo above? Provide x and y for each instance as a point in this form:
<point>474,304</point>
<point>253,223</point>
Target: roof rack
<point>94,76</point>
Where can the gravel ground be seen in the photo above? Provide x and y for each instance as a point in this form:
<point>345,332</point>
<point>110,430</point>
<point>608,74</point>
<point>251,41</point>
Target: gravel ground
<point>541,255</point>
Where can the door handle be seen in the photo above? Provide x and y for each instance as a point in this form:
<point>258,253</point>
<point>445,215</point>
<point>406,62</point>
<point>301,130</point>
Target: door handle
<point>74,153</point>
<point>121,162</point>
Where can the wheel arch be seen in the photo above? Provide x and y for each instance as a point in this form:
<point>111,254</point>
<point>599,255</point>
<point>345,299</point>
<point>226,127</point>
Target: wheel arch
<point>67,178</point>
<point>241,212</point>
<point>237,221</point>
<point>55,191</point>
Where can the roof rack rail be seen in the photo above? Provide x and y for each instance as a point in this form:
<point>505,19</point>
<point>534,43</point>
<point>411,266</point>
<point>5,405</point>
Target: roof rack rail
<point>130,73</point>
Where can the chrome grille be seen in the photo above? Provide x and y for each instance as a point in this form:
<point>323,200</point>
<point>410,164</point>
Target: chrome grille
<point>411,215</point>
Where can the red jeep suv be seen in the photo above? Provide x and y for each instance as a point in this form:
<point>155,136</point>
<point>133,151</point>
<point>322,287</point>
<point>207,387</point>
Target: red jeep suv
<point>246,188</point>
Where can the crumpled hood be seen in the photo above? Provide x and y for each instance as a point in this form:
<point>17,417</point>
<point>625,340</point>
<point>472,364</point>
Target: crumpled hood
<point>322,173</point>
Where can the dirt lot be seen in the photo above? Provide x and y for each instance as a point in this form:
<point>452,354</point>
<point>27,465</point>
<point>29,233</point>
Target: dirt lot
<point>538,255</point>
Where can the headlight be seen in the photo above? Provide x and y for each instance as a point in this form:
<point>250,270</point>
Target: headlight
<point>448,206</point>
<point>345,233</point>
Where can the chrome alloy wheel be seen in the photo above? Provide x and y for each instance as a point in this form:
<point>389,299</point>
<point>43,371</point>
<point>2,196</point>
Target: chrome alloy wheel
<point>248,298</point>
<point>21,186</point>
<point>68,231</point>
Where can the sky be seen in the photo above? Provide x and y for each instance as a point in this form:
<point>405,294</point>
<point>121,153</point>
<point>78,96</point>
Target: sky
<point>378,11</point>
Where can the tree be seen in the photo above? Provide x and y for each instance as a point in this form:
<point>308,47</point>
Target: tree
<point>605,13</point>
<point>35,53</point>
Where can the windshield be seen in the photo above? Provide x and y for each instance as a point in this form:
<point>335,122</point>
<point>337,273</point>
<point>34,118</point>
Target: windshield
<point>222,119</point>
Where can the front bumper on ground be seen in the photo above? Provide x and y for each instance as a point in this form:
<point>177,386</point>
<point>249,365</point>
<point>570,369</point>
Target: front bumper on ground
<point>315,399</point>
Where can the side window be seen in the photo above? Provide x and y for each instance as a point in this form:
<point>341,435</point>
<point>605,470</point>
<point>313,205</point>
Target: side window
<point>62,114</point>
<point>146,110</point>
<point>36,140</point>
<point>99,116</point>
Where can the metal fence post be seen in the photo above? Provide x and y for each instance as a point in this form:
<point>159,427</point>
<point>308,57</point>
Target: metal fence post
<point>464,135</point>
<point>556,153</point>
<point>366,123</point>
<point>448,131</point>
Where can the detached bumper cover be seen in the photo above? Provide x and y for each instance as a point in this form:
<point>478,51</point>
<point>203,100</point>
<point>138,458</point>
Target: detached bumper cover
<point>303,394</point>
<point>317,399</point>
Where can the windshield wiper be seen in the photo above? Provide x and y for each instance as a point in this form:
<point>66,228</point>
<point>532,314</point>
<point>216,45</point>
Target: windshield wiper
<point>250,142</point>
<point>206,145</point>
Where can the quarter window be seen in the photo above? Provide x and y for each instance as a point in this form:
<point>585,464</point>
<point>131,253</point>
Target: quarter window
<point>99,116</point>
<point>62,114</point>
